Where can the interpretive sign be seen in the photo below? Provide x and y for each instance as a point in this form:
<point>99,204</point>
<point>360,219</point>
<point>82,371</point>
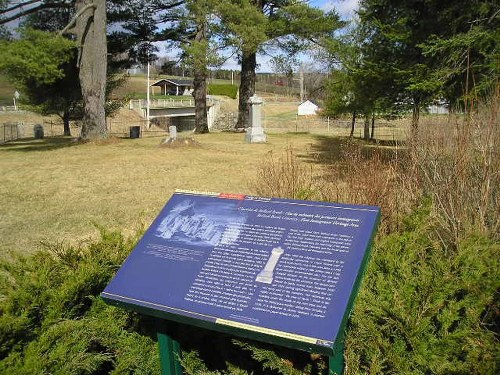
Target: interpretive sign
<point>276,270</point>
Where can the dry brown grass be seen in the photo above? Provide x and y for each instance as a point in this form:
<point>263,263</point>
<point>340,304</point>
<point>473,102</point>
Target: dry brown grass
<point>282,175</point>
<point>26,117</point>
<point>343,171</point>
<point>55,189</point>
<point>453,161</point>
<point>457,164</point>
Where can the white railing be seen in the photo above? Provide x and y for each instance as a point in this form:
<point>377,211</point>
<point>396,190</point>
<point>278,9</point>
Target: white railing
<point>8,108</point>
<point>164,103</point>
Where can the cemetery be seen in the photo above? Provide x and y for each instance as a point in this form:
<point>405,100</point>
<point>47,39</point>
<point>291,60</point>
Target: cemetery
<point>240,187</point>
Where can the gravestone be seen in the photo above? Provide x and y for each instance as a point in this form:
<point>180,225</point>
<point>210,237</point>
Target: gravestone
<point>135,132</point>
<point>38,131</point>
<point>280,271</point>
<point>255,133</point>
<point>172,130</point>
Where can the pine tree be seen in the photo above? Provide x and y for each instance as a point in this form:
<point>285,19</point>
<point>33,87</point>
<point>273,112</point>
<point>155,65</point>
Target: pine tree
<point>251,23</point>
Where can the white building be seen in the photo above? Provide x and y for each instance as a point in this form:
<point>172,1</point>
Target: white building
<point>307,108</point>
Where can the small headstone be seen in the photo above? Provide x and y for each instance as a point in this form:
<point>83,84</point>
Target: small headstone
<point>173,132</point>
<point>255,133</point>
<point>135,131</point>
<point>38,131</point>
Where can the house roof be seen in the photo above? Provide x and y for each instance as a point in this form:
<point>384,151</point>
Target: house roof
<point>308,103</point>
<point>173,81</point>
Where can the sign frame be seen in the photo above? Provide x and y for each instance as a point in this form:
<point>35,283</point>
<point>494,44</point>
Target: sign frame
<point>170,350</point>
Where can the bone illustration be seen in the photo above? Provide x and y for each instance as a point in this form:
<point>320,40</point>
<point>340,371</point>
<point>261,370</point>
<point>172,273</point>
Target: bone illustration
<point>266,275</point>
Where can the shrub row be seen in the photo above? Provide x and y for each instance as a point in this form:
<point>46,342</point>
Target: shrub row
<point>53,322</point>
<point>425,308</point>
<point>223,89</point>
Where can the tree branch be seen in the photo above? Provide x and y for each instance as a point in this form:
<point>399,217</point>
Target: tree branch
<point>18,5</point>
<point>75,17</point>
<point>26,12</point>
<point>161,6</point>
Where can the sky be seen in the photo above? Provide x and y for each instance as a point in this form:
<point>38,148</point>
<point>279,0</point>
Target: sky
<point>345,8</point>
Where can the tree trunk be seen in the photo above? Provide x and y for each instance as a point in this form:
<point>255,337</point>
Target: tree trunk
<point>415,115</point>
<point>247,87</point>
<point>372,136</point>
<point>200,102</point>
<point>352,124</point>
<point>366,132</point>
<point>90,29</point>
<point>200,83</point>
<point>67,129</point>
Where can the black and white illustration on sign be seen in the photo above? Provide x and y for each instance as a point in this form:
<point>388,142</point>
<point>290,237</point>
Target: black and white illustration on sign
<point>190,222</point>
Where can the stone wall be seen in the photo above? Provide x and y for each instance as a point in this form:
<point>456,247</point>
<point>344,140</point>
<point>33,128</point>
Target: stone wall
<point>225,121</point>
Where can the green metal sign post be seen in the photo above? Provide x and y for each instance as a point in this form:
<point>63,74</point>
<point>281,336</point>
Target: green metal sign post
<point>170,354</point>
<point>336,361</point>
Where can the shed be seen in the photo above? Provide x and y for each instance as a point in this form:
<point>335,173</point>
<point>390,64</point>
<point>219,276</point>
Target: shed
<point>170,86</point>
<point>307,108</point>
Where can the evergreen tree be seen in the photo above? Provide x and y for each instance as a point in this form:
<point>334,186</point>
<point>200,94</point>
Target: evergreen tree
<point>89,28</point>
<point>426,50</point>
<point>184,23</point>
<point>251,23</point>
<point>197,50</point>
<point>42,66</point>
<point>465,52</point>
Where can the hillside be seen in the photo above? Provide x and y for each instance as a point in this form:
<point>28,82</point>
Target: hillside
<point>7,90</point>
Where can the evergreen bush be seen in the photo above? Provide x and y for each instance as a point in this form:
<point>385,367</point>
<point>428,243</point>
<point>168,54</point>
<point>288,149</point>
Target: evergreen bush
<point>427,307</point>
<point>53,322</point>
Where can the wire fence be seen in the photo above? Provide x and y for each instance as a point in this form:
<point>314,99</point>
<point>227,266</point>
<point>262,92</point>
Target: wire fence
<point>282,123</point>
<point>14,130</point>
<point>302,124</point>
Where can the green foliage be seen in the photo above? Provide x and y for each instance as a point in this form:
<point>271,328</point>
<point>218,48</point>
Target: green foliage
<point>415,52</point>
<point>272,360</point>
<point>245,24</point>
<point>223,89</point>
<point>480,44</point>
<point>43,67</point>
<point>423,308</point>
<point>52,320</point>
<point>37,56</point>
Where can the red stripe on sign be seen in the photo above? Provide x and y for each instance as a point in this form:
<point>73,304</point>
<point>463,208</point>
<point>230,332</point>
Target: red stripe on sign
<point>232,196</point>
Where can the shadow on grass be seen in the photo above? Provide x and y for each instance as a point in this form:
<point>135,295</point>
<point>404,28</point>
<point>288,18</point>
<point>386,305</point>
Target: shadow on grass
<point>31,144</point>
<point>330,149</point>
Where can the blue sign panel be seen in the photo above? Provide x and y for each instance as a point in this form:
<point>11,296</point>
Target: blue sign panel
<point>283,271</point>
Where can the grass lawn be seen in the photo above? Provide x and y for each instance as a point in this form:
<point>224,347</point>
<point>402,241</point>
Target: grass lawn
<point>56,190</point>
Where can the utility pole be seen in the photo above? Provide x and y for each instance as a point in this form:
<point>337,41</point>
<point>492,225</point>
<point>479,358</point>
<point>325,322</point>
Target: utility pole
<point>147,100</point>
<point>301,81</point>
